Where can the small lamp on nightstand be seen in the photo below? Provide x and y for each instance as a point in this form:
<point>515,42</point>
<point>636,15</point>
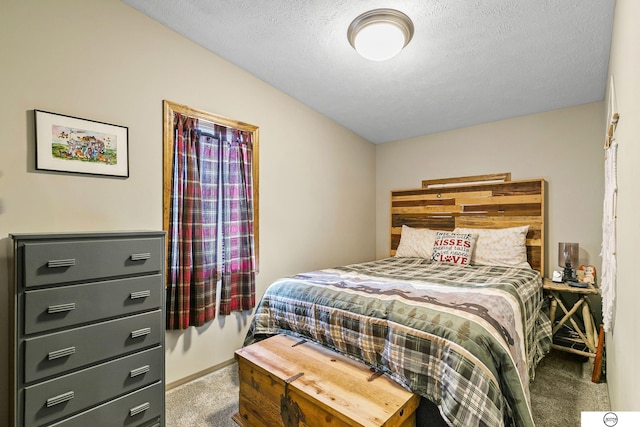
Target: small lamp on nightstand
<point>568,259</point>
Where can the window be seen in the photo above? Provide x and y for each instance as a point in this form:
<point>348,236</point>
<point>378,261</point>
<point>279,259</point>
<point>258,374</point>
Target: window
<point>210,214</point>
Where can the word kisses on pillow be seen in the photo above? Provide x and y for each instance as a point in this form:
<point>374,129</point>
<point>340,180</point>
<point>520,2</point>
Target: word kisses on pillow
<point>454,248</point>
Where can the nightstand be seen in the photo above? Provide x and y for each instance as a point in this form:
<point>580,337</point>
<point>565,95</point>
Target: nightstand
<point>586,343</point>
<point>589,342</point>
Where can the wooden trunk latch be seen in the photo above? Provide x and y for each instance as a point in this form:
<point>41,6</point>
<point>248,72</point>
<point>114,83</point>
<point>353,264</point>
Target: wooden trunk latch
<point>289,410</point>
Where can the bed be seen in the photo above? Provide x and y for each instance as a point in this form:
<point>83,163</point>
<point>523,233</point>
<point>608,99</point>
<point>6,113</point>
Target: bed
<point>454,314</point>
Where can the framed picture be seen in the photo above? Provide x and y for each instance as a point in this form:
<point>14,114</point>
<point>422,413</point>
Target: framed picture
<point>72,144</point>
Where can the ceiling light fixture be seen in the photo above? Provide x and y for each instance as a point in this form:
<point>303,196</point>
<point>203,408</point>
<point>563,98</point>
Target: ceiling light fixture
<point>380,34</point>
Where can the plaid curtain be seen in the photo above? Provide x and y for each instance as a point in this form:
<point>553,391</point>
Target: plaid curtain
<point>238,276</point>
<point>192,273</point>
<point>211,195</point>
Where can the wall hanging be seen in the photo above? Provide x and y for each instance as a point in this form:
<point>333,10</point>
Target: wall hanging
<point>71,144</point>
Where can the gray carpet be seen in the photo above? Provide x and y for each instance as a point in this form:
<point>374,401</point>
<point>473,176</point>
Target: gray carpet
<point>561,390</point>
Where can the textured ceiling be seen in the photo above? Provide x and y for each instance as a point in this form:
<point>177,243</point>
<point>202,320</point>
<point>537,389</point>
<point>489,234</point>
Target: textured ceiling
<point>469,62</point>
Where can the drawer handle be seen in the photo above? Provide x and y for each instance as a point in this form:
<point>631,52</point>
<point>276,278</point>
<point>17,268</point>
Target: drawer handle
<point>61,308</point>
<point>55,263</point>
<point>61,353</point>
<point>140,256</point>
<point>61,398</point>
<point>139,409</point>
<point>139,371</point>
<point>140,332</point>
<point>140,294</point>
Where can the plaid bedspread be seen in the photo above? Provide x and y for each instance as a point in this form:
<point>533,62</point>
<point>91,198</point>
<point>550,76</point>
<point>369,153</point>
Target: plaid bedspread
<point>466,338</point>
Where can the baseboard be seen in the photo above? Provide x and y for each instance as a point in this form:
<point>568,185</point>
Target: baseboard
<point>200,374</point>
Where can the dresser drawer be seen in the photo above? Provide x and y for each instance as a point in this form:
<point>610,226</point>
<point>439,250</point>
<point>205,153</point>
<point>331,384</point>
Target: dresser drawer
<point>59,352</point>
<point>136,409</point>
<point>51,400</point>
<point>65,306</point>
<point>47,263</point>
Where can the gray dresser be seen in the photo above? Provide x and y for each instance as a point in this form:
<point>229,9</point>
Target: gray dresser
<point>89,329</point>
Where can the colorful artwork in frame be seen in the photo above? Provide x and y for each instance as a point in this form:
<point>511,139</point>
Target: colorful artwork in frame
<point>72,144</point>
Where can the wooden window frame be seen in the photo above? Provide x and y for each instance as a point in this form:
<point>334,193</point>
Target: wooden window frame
<point>169,108</point>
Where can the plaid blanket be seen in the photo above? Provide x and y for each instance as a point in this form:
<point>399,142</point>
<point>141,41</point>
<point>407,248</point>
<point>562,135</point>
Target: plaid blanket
<point>466,338</point>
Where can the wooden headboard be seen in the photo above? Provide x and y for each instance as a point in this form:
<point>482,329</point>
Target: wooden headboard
<point>481,201</point>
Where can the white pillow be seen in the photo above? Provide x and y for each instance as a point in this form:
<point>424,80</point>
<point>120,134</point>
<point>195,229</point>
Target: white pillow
<point>453,248</point>
<point>416,242</point>
<point>505,247</point>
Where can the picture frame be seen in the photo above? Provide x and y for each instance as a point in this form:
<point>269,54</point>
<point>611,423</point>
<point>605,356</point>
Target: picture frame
<point>72,144</point>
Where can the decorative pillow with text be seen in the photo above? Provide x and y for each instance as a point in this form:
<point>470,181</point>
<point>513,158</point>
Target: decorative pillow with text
<point>454,248</point>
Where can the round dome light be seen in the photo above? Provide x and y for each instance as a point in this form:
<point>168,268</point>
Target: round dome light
<point>380,34</point>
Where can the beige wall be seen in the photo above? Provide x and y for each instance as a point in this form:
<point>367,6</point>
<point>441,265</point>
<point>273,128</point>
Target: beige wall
<point>623,345</point>
<point>564,147</point>
<point>105,61</point>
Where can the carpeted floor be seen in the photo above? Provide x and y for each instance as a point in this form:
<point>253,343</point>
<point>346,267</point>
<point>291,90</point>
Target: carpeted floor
<point>561,390</point>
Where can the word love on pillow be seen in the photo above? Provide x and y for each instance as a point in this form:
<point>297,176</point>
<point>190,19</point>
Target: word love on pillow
<point>454,248</point>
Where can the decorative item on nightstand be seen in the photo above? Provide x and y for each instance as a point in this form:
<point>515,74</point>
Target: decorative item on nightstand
<point>568,259</point>
<point>586,274</point>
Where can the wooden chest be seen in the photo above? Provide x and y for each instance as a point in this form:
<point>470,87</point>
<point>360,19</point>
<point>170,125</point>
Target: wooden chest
<point>288,382</point>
